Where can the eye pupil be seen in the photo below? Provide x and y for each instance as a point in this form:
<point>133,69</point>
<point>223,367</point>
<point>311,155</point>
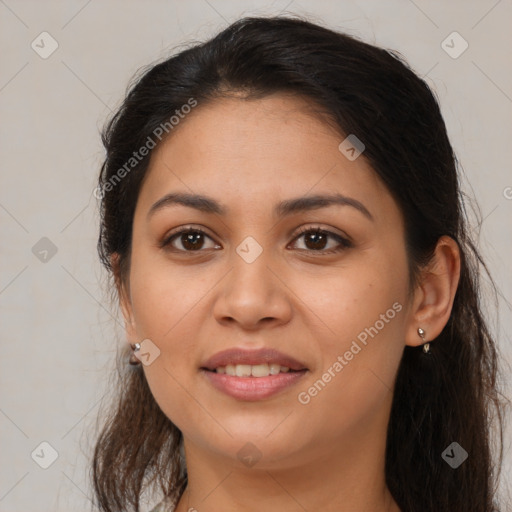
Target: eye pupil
<point>192,238</point>
<point>317,238</point>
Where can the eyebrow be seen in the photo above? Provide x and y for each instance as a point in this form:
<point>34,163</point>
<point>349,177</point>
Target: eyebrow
<point>283,209</point>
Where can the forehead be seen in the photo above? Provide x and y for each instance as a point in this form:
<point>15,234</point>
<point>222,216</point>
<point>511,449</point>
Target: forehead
<point>258,152</point>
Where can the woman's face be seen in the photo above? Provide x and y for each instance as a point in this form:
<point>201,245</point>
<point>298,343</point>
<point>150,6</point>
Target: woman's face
<point>254,280</point>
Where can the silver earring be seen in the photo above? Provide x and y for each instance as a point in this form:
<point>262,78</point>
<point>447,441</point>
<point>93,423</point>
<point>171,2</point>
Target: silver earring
<point>426,346</point>
<point>133,358</point>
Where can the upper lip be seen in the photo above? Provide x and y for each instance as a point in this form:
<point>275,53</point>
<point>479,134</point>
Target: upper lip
<point>236,356</point>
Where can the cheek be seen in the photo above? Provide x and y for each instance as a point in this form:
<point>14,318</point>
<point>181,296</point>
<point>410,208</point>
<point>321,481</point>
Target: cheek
<point>360,338</point>
<point>162,295</point>
<point>169,310</point>
<point>347,302</point>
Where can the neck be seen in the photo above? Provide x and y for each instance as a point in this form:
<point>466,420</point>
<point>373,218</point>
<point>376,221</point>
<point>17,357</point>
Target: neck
<point>333,477</point>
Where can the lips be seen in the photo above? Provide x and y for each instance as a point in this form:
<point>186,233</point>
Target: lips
<point>251,375</point>
<point>252,357</point>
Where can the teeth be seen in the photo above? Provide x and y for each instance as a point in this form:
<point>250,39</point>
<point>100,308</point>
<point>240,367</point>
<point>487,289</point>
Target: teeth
<point>274,369</point>
<point>243,370</point>
<point>259,370</point>
<point>256,370</point>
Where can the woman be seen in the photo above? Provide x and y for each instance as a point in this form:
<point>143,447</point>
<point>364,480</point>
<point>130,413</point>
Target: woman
<point>282,218</point>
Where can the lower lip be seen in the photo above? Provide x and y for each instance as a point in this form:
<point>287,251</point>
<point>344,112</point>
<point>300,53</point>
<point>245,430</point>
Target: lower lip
<point>252,388</point>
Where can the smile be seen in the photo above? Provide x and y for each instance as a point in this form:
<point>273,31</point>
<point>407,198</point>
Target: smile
<point>240,383</point>
<point>255,370</point>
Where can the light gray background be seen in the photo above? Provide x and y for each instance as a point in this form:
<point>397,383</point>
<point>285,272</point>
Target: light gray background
<point>58,337</point>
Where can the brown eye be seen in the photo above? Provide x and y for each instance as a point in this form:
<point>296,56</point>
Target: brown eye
<point>316,239</point>
<point>190,239</point>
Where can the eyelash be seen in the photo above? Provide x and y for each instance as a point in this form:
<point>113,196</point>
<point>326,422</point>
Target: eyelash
<point>344,243</point>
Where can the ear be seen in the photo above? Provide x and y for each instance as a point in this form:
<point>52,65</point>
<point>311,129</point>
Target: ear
<point>123,291</point>
<point>434,295</point>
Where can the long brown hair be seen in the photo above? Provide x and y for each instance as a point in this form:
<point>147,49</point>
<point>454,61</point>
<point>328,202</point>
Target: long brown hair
<point>372,92</point>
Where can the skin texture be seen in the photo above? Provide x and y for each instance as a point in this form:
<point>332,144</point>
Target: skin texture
<point>327,454</point>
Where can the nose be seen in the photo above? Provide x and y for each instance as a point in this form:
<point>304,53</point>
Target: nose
<point>253,295</point>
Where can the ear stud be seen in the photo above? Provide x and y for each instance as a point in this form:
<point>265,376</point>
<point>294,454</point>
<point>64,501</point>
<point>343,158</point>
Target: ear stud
<point>133,358</point>
<point>426,346</point>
